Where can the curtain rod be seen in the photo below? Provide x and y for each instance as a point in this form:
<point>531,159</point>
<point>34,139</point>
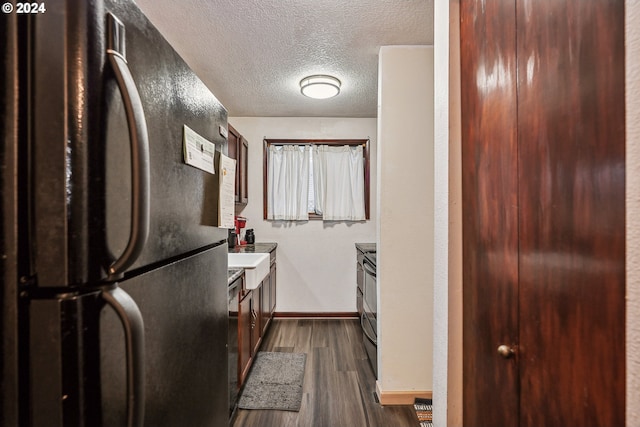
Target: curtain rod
<point>275,141</point>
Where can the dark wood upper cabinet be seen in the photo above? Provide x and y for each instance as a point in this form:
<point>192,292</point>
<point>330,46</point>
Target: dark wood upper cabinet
<point>238,149</point>
<point>543,161</point>
<point>243,195</point>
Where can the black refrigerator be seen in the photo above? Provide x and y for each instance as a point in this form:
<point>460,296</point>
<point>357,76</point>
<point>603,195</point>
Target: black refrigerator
<point>114,293</point>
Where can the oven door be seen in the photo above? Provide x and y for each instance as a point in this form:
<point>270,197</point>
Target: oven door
<point>370,288</point>
<point>360,283</point>
<point>369,316</point>
<point>370,340</point>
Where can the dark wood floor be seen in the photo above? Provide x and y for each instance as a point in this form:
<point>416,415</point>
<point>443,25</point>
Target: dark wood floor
<point>339,383</point>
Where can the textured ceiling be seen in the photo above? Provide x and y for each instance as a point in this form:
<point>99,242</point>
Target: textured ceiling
<point>252,54</point>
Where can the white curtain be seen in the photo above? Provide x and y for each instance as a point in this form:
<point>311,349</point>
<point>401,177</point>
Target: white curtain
<point>338,174</point>
<point>288,182</point>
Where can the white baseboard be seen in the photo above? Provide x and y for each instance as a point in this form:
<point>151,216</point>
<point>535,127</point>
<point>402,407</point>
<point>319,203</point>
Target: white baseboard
<point>401,397</point>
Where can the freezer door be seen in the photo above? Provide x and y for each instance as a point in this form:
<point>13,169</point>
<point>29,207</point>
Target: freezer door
<point>184,307</point>
<point>10,212</point>
<point>75,369</point>
<point>81,161</point>
<point>59,361</point>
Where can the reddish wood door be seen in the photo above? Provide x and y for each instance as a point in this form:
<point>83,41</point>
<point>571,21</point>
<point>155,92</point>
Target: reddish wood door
<point>543,212</point>
<point>490,210</point>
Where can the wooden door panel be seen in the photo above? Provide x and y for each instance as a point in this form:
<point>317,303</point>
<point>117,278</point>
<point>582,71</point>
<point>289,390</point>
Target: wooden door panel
<point>571,186</point>
<point>244,330</point>
<point>490,211</point>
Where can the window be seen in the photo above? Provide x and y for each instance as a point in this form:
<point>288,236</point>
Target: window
<point>316,179</point>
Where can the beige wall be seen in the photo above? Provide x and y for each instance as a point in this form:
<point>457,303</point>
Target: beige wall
<point>405,218</point>
<point>632,35</point>
<point>316,261</point>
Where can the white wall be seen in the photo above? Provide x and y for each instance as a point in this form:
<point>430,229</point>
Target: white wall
<point>316,262</point>
<point>447,323</point>
<point>632,35</point>
<point>405,219</point>
<point>441,219</point>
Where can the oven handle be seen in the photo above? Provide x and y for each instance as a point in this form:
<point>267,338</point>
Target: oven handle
<point>364,330</point>
<point>233,286</point>
<point>368,269</point>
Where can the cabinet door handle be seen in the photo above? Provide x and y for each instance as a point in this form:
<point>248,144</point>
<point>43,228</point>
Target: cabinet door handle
<point>254,317</point>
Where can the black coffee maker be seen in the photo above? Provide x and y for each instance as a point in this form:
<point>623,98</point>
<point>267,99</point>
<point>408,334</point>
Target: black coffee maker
<point>232,238</point>
<point>249,236</point>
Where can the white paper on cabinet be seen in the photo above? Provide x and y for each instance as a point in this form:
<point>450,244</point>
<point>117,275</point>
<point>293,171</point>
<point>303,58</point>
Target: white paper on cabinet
<point>227,191</point>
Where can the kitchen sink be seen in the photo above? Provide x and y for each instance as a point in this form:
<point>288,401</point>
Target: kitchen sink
<point>256,267</point>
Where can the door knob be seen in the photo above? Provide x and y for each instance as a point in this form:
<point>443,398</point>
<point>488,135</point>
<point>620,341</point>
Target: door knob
<point>506,351</point>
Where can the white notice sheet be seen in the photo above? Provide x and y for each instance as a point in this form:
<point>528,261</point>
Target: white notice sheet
<point>198,152</point>
<point>227,193</point>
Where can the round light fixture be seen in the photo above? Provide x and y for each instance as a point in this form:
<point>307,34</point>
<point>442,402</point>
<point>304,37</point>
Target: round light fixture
<point>320,86</point>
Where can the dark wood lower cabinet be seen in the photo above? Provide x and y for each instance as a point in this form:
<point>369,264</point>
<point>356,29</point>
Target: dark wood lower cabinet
<point>244,338</point>
<point>268,296</point>
<point>272,288</point>
<point>265,303</point>
<point>543,161</point>
<point>256,311</point>
<point>256,314</point>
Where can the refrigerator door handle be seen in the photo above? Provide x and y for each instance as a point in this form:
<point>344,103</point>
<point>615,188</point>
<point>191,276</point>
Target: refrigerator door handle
<point>133,326</point>
<point>139,137</point>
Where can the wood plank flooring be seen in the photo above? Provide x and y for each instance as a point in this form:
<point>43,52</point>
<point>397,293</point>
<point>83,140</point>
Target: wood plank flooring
<point>339,383</point>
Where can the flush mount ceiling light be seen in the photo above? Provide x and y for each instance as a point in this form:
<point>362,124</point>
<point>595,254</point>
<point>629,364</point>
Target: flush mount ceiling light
<point>320,86</point>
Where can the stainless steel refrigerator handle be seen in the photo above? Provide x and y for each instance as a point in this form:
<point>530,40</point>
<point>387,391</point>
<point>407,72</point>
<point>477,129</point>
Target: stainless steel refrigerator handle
<point>133,326</point>
<point>364,330</point>
<point>139,148</point>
